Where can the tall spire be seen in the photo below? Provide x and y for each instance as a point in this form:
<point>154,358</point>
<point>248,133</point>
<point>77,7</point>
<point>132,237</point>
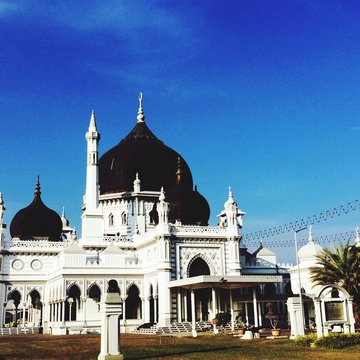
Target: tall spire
<point>140,115</point>
<point>92,126</point>
<point>37,186</point>
<point>311,236</point>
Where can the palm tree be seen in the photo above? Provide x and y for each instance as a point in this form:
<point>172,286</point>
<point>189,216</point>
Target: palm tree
<point>340,266</point>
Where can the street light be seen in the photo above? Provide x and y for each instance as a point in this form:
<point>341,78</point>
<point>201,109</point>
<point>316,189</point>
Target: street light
<point>298,271</point>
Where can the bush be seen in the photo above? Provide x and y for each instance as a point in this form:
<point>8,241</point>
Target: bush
<point>305,340</point>
<point>223,318</point>
<point>338,341</point>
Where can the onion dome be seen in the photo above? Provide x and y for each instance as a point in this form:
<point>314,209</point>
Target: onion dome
<point>143,153</point>
<point>36,221</point>
<point>187,206</point>
<point>311,250</point>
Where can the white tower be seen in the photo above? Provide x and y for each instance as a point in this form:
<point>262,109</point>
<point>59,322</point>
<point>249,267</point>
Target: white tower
<point>92,170</point>
<point>92,224</point>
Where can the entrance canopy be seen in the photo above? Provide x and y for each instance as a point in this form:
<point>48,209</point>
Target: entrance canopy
<point>225,282</point>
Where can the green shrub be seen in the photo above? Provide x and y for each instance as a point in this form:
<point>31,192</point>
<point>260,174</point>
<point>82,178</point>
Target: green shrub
<point>305,340</point>
<point>223,318</point>
<point>338,341</point>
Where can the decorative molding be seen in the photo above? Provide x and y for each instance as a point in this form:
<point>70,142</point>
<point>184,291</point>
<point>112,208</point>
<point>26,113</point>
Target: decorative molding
<point>17,264</point>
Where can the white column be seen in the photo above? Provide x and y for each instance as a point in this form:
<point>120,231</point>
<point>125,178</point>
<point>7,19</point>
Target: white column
<point>260,314</point>
<point>143,309</point>
<point>63,312</point>
<point>84,310</point>
<point>231,310</point>
<point>24,308</point>
<point>256,318</point>
<point>213,300</point>
<point>179,309</point>
<point>147,310</point>
<point>246,314</point>
<point>155,309</point>
<point>185,306</point>
<point>194,333</point>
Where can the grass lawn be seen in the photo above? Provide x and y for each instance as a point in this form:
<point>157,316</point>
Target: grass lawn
<point>135,346</point>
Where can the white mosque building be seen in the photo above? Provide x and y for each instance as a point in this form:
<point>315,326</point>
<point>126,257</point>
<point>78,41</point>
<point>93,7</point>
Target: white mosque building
<point>144,226</point>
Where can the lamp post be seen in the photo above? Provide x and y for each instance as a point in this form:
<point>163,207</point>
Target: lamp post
<point>298,272</point>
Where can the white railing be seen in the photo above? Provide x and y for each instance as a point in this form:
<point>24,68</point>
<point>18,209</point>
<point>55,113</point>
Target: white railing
<point>209,230</point>
<point>35,244</point>
<point>118,239</point>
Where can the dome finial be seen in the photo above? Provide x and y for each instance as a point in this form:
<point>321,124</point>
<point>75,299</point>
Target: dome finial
<point>311,236</point>
<point>37,187</point>
<point>162,194</point>
<point>140,116</point>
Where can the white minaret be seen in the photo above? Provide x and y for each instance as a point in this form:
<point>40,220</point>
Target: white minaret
<point>92,218</point>
<point>92,170</point>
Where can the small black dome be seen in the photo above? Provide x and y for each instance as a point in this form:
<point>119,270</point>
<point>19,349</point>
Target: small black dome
<point>143,153</point>
<point>36,221</point>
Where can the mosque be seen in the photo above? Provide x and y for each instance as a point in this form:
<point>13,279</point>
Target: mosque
<point>144,226</point>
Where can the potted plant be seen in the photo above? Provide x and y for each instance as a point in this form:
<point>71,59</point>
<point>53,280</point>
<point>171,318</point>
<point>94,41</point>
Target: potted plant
<point>273,319</point>
<point>241,326</point>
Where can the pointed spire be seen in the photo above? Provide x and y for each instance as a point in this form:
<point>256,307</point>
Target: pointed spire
<point>311,236</point>
<point>92,125</point>
<point>1,199</point>
<point>63,212</point>
<point>230,200</point>
<point>140,116</point>
<point>37,187</point>
<point>357,238</point>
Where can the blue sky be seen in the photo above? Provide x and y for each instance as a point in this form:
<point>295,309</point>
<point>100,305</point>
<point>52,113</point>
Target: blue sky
<point>259,95</point>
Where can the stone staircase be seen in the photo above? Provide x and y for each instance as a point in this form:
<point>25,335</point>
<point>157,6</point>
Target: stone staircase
<point>176,327</point>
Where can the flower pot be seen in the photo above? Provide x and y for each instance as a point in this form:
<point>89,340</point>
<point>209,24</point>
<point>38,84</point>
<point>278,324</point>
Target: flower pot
<point>241,331</point>
<point>275,332</point>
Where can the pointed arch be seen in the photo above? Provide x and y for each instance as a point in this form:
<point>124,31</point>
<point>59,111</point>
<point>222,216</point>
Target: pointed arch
<point>94,292</point>
<point>133,303</point>
<point>123,218</point>
<point>199,265</point>
<point>72,303</point>
<point>111,219</point>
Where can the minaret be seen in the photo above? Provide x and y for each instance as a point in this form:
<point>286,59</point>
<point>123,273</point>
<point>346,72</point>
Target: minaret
<point>92,218</point>
<point>92,170</point>
<point>2,225</point>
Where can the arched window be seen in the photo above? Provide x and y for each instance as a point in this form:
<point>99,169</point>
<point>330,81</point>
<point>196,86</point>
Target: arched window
<point>111,220</point>
<point>123,218</point>
<point>113,287</point>
<point>94,293</point>
<point>16,298</point>
<point>199,267</point>
<point>133,303</point>
<point>72,303</point>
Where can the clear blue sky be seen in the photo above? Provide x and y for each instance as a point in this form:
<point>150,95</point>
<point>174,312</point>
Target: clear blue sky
<point>260,95</point>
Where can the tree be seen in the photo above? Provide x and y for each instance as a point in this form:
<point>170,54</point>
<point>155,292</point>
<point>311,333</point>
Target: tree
<point>341,266</point>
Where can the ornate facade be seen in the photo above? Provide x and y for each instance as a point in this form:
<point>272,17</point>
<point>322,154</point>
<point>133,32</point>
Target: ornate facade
<point>144,225</point>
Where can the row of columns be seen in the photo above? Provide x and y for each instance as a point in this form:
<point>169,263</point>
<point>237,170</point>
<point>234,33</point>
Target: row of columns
<point>182,311</point>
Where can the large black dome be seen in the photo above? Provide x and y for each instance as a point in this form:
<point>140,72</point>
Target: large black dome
<point>36,221</point>
<point>143,153</point>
